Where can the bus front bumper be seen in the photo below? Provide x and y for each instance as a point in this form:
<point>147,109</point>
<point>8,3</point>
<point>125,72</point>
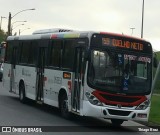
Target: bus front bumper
<point>110,112</point>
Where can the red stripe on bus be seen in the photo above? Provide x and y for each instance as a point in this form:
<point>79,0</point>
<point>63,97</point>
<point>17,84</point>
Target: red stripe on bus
<point>99,94</point>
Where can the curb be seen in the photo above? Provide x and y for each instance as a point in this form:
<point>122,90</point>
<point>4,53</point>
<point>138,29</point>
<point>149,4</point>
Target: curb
<point>150,124</point>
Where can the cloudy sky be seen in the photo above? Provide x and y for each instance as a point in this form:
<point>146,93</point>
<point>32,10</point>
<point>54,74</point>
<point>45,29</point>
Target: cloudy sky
<point>117,16</point>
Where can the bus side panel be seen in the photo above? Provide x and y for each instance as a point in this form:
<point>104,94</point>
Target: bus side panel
<point>6,75</point>
<point>54,82</point>
<point>28,75</point>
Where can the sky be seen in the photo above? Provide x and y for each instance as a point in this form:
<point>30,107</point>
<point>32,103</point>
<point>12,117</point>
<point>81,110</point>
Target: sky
<point>117,16</point>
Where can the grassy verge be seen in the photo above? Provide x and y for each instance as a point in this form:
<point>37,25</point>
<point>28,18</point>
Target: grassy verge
<point>154,116</point>
<point>157,91</point>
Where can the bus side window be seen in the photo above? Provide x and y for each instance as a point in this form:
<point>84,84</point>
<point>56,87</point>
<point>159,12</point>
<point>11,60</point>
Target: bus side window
<point>68,54</point>
<point>33,52</point>
<point>25,48</point>
<point>55,54</point>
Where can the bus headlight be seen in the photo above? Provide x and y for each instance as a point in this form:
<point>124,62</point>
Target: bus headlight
<point>143,105</point>
<point>92,99</point>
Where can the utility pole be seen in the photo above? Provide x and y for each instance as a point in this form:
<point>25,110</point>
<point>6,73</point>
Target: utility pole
<point>9,24</point>
<point>142,19</point>
<point>10,18</point>
<point>1,22</point>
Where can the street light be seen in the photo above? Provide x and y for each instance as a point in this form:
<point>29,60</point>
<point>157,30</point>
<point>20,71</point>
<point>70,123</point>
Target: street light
<point>14,23</point>
<point>20,31</point>
<point>142,19</point>
<point>11,17</point>
<point>15,27</point>
<point>1,21</point>
<point>22,11</point>
<point>17,21</point>
<point>132,30</point>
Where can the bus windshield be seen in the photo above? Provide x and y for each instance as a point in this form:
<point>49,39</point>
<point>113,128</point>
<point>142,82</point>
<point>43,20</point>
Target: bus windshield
<point>119,72</point>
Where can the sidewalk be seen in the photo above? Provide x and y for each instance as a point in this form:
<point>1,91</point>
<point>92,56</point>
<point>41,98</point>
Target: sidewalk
<point>156,94</point>
<point>149,124</point>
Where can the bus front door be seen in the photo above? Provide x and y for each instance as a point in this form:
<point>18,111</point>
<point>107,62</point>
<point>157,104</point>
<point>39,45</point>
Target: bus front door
<point>13,69</point>
<point>78,80</point>
<point>40,74</point>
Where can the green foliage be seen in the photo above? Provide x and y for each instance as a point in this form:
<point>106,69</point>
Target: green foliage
<point>158,55</point>
<point>157,86</point>
<point>2,36</point>
<point>154,116</point>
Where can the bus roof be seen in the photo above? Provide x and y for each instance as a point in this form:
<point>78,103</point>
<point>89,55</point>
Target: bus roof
<point>122,35</point>
<point>65,33</point>
<point>50,36</point>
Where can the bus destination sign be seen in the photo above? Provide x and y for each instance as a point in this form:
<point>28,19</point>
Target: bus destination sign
<point>133,45</point>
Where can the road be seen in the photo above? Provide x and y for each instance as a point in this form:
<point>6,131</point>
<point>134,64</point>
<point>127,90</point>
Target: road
<point>14,113</point>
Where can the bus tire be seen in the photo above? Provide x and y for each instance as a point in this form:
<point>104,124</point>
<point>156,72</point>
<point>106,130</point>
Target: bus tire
<point>64,107</point>
<point>117,122</point>
<point>22,96</point>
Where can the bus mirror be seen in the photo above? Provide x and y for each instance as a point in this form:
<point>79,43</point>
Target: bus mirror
<point>155,61</point>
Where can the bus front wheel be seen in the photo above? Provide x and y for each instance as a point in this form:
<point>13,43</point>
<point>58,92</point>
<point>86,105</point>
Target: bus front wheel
<point>64,107</point>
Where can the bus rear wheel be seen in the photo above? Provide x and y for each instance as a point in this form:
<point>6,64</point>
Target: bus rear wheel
<point>117,122</point>
<point>64,107</point>
<point>22,96</point>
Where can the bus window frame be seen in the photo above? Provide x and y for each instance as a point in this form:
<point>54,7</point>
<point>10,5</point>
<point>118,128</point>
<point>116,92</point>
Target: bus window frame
<point>63,40</point>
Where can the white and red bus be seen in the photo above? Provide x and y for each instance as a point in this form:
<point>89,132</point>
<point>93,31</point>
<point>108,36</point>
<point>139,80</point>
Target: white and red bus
<point>95,74</point>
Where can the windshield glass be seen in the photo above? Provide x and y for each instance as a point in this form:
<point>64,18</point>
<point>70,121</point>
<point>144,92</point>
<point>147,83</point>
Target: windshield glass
<point>119,72</point>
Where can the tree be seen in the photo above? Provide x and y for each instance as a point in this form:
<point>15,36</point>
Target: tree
<point>2,36</point>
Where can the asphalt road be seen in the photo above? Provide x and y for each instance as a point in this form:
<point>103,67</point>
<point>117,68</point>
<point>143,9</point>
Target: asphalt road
<point>14,113</point>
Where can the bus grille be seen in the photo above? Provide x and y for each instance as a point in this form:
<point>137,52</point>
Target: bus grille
<point>119,99</point>
<point>118,112</point>
<point>115,105</point>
